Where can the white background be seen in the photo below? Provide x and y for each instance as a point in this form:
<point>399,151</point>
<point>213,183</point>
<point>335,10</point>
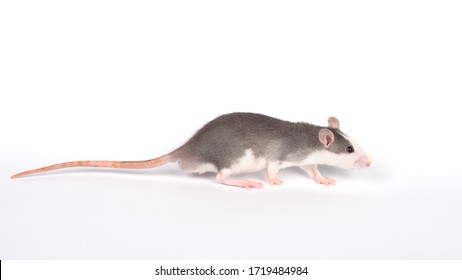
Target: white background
<point>129,80</point>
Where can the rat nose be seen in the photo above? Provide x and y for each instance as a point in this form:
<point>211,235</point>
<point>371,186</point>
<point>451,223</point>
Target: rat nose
<point>363,162</point>
<point>367,162</point>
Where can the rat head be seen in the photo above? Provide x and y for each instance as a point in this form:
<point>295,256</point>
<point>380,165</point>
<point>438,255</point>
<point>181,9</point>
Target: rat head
<point>340,150</point>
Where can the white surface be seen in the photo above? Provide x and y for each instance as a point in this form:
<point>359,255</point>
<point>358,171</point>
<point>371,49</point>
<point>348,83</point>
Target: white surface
<point>126,81</point>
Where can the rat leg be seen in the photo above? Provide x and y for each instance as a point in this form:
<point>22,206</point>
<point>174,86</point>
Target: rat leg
<point>223,177</point>
<point>314,173</point>
<point>273,169</point>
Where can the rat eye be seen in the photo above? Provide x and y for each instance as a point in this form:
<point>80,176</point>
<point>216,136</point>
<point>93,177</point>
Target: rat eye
<point>350,149</point>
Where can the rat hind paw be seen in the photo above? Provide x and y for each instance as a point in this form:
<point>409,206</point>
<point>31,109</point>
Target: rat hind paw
<point>247,184</point>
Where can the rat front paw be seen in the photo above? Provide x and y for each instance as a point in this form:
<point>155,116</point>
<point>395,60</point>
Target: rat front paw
<point>275,181</point>
<point>325,181</point>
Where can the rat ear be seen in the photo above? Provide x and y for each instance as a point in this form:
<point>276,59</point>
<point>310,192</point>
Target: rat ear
<point>326,137</point>
<point>333,122</point>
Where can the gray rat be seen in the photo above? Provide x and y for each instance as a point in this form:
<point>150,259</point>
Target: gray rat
<point>248,142</point>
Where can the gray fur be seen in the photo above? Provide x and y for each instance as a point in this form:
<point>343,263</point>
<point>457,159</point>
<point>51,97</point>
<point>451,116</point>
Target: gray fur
<point>225,139</point>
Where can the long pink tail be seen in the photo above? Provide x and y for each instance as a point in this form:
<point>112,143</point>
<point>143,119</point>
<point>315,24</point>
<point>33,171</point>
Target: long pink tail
<point>109,164</point>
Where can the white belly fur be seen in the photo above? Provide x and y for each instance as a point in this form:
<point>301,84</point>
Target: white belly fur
<point>248,163</point>
<point>202,168</point>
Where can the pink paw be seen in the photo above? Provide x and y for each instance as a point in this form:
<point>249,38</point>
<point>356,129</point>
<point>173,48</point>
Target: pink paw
<point>325,181</point>
<point>251,185</point>
<point>275,181</point>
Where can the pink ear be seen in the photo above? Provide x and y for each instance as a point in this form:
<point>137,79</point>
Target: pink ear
<point>333,122</point>
<point>326,137</point>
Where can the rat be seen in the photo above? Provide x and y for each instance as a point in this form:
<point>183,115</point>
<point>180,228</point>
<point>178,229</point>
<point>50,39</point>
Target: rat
<point>248,142</point>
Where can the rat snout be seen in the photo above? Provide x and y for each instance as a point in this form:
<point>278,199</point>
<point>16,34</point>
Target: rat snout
<point>363,162</point>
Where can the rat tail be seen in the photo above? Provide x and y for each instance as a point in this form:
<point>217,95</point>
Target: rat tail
<point>109,164</point>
